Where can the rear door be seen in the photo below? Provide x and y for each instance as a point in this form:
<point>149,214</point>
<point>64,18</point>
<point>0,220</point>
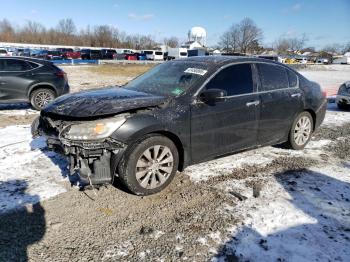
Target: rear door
<point>15,77</point>
<point>230,124</point>
<point>281,101</point>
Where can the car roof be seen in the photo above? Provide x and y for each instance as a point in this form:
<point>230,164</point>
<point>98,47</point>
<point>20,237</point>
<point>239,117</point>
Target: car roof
<point>36,60</point>
<point>222,60</point>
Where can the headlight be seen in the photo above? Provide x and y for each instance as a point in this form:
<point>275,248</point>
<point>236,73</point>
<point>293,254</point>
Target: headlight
<point>94,130</point>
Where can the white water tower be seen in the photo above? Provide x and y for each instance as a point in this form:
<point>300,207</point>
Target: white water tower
<point>198,34</point>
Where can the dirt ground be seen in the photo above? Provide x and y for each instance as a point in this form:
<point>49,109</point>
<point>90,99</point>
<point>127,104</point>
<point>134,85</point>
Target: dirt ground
<point>187,221</point>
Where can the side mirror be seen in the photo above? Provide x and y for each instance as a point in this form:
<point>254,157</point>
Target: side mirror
<point>212,95</point>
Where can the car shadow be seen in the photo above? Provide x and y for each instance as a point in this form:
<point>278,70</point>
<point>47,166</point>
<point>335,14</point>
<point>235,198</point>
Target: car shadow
<point>322,234</point>
<point>18,106</point>
<point>59,160</point>
<point>22,220</point>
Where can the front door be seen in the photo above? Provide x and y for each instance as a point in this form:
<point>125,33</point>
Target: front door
<point>230,124</point>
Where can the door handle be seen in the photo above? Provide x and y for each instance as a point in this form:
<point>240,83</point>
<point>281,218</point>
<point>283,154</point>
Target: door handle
<point>2,83</point>
<point>296,95</point>
<point>253,103</point>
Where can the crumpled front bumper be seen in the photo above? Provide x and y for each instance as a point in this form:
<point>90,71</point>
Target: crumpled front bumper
<point>94,161</point>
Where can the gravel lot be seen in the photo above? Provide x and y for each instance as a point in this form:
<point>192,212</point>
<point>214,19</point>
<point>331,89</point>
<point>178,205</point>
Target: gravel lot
<point>268,204</point>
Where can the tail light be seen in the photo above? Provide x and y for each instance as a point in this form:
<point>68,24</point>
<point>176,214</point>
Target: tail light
<point>61,74</point>
<point>324,93</point>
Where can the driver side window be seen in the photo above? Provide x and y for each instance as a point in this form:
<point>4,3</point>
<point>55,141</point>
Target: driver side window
<point>235,80</point>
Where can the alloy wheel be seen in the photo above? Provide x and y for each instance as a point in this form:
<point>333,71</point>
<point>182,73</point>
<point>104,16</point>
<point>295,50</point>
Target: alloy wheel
<point>43,98</point>
<point>154,166</point>
<point>302,131</point>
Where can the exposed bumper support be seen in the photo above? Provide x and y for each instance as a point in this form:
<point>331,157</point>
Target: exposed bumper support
<point>91,160</point>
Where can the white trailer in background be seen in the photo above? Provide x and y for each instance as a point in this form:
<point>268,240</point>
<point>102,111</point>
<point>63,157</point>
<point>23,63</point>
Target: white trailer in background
<point>175,53</point>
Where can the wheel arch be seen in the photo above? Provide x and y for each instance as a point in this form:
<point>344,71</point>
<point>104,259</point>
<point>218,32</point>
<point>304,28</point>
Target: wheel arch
<point>41,86</point>
<point>313,114</point>
<point>176,140</point>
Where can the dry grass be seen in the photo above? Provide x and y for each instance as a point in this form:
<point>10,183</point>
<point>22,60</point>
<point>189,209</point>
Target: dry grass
<point>127,70</point>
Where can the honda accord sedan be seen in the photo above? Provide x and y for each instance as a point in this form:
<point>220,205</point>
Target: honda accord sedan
<point>178,114</point>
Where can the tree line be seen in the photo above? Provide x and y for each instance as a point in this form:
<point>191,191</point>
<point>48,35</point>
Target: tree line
<point>66,33</point>
<point>246,37</point>
<point>242,37</point>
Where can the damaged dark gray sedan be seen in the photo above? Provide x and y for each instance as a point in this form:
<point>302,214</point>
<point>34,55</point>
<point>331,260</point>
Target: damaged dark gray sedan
<point>180,113</point>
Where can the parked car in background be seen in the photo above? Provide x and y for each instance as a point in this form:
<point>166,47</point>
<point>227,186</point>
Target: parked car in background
<point>180,113</point>
<point>109,54</point>
<point>11,51</point>
<point>323,61</point>
<point>50,55</point>
<point>90,54</point>
<point>18,52</point>
<point>131,56</point>
<point>153,54</point>
<point>3,52</point>
<point>141,56</point>
<point>35,52</point>
<point>343,96</point>
<point>31,80</point>
<point>69,53</point>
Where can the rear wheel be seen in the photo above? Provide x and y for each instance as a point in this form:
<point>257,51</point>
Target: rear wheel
<point>149,166</point>
<point>342,106</point>
<point>301,131</point>
<point>41,97</point>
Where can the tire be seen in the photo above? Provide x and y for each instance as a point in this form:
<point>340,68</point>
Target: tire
<point>297,140</point>
<point>41,97</point>
<point>34,127</point>
<point>342,106</point>
<point>140,175</point>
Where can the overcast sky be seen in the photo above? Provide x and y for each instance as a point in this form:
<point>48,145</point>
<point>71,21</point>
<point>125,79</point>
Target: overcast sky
<point>323,21</point>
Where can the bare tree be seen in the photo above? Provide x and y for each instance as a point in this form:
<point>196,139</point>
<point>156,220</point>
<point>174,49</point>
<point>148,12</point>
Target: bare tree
<point>244,37</point>
<point>250,34</point>
<point>286,45</point>
<point>7,31</point>
<point>172,41</point>
<point>66,26</point>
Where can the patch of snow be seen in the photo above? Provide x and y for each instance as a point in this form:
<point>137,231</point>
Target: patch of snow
<point>28,174</point>
<point>300,216</point>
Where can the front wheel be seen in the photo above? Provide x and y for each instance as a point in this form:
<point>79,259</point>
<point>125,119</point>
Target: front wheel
<point>301,131</point>
<point>149,166</point>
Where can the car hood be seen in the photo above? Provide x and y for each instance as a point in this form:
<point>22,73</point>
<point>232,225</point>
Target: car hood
<point>101,102</point>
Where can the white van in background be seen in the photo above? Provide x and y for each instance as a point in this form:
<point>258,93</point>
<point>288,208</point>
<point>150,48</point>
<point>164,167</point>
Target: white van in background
<point>153,54</point>
<point>178,52</point>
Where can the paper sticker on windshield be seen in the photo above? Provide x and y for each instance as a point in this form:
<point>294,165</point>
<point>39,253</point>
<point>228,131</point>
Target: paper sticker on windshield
<point>196,71</point>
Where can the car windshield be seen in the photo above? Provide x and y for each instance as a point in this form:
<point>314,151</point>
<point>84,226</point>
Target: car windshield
<point>169,79</point>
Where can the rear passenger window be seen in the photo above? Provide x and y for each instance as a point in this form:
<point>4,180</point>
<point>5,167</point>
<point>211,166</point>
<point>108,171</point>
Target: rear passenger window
<point>272,77</point>
<point>33,65</point>
<point>292,79</point>
<point>16,65</point>
<point>235,80</point>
